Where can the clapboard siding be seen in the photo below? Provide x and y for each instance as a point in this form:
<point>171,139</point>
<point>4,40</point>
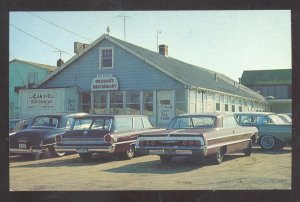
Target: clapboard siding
<point>18,76</point>
<point>131,72</point>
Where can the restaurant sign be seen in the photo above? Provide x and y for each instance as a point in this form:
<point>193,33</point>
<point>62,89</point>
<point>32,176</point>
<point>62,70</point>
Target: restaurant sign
<point>104,82</point>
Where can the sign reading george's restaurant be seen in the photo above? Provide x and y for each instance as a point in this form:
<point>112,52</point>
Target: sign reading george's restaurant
<point>104,82</point>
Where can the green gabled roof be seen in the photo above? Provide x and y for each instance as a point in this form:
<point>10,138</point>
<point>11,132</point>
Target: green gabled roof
<point>267,77</point>
<point>38,65</point>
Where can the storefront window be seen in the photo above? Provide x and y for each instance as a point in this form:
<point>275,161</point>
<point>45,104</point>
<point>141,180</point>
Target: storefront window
<point>148,103</point>
<point>116,102</point>
<point>133,102</point>
<point>180,105</point>
<point>100,102</point>
<point>86,102</point>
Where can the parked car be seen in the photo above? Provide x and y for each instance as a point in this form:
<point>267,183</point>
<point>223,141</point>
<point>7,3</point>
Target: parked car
<point>199,136</point>
<point>286,118</point>
<point>108,134</point>
<point>273,132</point>
<point>18,124</point>
<point>39,137</point>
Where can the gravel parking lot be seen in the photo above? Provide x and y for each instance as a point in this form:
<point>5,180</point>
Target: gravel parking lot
<point>262,170</point>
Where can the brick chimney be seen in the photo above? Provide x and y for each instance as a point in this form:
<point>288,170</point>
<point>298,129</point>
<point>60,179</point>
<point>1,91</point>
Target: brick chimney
<point>163,49</point>
<point>60,62</point>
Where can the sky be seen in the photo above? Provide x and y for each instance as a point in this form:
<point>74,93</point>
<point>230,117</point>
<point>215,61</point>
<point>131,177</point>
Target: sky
<point>227,42</point>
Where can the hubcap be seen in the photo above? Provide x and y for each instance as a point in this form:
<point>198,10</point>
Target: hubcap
<point>267,142</point>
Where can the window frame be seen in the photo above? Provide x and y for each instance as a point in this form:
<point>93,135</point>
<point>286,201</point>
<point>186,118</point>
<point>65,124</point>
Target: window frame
<point>100,58</point>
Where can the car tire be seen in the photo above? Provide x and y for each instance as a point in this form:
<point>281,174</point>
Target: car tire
<point>85,156</point>
<point>267,142</point>
<point>218,157</point>
<point>248,150</point>
<point>54,153</point>
<point>165,159</point>
<point>130,152</point>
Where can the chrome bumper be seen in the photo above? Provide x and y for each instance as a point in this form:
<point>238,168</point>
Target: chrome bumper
<point>26,151</point>
<point>84,148</point>
<point>171,151</point>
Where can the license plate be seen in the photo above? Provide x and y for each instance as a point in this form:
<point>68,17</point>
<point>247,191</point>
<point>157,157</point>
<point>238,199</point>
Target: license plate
<point>22,146</point>
<point>169,151</point>
<point>81,150</point>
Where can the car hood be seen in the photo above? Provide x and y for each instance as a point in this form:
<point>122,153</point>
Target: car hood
<point>177,132</point>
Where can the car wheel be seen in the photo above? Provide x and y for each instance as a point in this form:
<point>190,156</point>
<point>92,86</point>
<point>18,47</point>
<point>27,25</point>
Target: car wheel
<point>165,159</point>
<point>130,152</point>
<point>267,142</point>
<point>248,150</point>
<point>85,156</point>
<point>218,157</point>
<point>54,153</point>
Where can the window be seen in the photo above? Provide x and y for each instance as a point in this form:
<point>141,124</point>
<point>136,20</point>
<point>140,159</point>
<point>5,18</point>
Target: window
<point>106,56</point>
<point>133,102</point>
<point>148,103</point>
<point>85,102</point>
<point>229,122</point>
<point>32,79</point>
<point>138,123</point>
<point>217,106</point>
<point>101,124</point>
<point>123,124</point>
<point>226,107</point>
<point>45,121</point>
<point>180,106</point>
<point>82,124</point>
<point>193,122</point>
<point>116,102</point>
<point>100,102</point>
<point>233,108</point>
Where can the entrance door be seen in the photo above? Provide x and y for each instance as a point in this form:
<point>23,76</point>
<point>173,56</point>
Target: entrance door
<point>165,108</point>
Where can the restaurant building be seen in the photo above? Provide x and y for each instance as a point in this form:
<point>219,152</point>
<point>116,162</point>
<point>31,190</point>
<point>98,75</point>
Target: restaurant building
<point>116,77</point>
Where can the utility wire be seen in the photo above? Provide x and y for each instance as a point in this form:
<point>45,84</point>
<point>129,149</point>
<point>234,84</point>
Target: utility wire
<point>38,39</point>
<point>60,27</point>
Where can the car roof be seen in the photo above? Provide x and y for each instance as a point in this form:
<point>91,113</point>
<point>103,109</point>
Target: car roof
<point>64,114</point>
<point>109,116</point>
<point>216,114</point>
<point>254,113</point>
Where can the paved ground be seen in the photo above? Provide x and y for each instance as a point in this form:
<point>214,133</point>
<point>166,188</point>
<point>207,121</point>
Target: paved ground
<point>262,170</point>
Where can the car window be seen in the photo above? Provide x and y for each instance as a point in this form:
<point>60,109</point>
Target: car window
<point>82,124</point>
<point>275,119</point>
<point>193,122</point>
<point>101,124</point>
<point>123,124</point>
<point>229,122</point>
<point>45,121</point>
<point>146,122</point>
<point>138,123</point>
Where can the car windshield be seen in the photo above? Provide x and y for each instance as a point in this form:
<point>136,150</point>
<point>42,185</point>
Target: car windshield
<point>92,123</point>
<point>45,121</point>
<point>192,122</point>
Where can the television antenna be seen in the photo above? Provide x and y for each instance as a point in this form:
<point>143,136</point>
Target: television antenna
<point>124,22</point>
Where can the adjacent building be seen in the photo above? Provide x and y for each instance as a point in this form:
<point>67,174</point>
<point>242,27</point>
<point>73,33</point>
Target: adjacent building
<point>22,75</point>
<point>112,76</point>
<point>276,85</point>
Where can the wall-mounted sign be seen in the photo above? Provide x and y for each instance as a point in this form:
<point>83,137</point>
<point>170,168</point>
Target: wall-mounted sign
<point>104,82</point>
<point>38,100</point>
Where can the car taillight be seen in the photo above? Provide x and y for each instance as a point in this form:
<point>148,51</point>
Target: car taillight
<point>141,143</point>
<point>197,143</point>
<point>58,138</point>
<point>191,143</point>
<point>107,138</point>
<point>148,143</point>
<point>153,143</point>
<point>185,143</point>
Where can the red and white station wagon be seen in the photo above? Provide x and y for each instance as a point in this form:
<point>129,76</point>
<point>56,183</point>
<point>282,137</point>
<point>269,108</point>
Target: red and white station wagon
<point>199,135</point>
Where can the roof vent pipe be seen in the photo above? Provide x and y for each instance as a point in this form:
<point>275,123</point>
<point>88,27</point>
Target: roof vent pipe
<point>60,62</point>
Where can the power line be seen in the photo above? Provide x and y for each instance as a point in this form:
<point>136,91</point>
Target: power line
<point>60,27</point>
<point>38,39</point>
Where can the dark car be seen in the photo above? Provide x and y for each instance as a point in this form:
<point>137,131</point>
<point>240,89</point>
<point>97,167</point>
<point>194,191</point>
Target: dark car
<point>273,132</point>
<point>19,124</point>
<point>39,137</point>
<point>199,136</point>
<point>106,134</point>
